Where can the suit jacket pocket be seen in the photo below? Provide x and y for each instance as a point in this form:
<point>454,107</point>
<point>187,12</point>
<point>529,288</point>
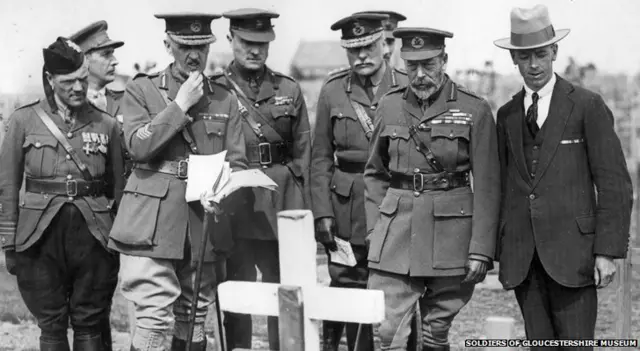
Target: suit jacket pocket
<point>586,224</point>
<point>30,213</point>
<point>341,200</point>
<point>388,211</point>
<point>137,217</point>
<point>452,229</point>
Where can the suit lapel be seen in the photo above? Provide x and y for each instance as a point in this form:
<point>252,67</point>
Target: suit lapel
<point>514,131</point>
<point>559,111</point>
<point>112,106</point>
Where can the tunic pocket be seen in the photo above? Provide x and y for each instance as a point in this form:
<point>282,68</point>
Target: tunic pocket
<point>30,212</point>
<point>388,211</point>
<point>341,200</point>
<point>41,155</point>
<point>449,141</point>
<point>452,229</point>
<point>137,216</point>
<point>216,132</point>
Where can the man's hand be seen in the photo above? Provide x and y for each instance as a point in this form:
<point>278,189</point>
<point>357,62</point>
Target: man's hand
<point>476,271</point>
<point>209,205</point>
<point>325,232</point>
<point>10,261</point>
<point>190,92</point>
<point>604,271</point>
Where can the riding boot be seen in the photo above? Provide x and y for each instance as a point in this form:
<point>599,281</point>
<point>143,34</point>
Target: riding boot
<point>105,332</point>
<point>331,335</point>
<point>360,337</point>
<point>50,345</point>
<point>181,345</point>
<point>90,342</point>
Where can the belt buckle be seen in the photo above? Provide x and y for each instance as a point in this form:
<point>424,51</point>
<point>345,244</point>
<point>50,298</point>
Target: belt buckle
<point>183,166</point>
<point>418,182</point>
<point>72,187</point>
<point>264,152</point>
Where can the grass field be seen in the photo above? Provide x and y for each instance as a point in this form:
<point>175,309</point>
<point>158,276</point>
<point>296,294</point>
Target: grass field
<point>18,331</point>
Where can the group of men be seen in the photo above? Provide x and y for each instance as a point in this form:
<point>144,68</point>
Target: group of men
<point>409,167</point>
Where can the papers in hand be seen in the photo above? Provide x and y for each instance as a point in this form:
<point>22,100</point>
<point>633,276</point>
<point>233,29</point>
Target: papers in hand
<point>344,255</point>
<point>212,175</point>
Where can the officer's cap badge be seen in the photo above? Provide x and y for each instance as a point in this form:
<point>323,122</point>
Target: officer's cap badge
<point>358,29</point>
<point>417,42</point>
<point>196,27</point>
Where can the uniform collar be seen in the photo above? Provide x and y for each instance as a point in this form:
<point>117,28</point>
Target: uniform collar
<point>248,75</point>
<point>546,90</point>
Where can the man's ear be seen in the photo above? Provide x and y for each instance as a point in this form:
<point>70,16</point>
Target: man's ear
<point>554,51</point>
<point>167,46</point>
<point>49,78</point>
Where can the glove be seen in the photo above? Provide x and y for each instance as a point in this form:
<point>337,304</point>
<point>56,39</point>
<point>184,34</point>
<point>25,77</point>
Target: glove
<point>325,232</point>
<point>10,260</point>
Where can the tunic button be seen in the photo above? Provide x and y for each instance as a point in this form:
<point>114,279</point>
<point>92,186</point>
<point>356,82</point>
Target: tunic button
<point>416,170</point>
<point>340,114</point>
<point>451,135</point>
<point>68,157</point>
<point>70,198</point>
<point>461,211</point>
<point>532,197</point>
<point>69,176</point>
<point>333,186</point>
<point>394,134</point>
<point>418,148</point>
<point>69,135</point>
<point>532,175</point>
<point>257,104</point>
<point>38,144</point>
<point>536,147</point>
<point>416,193</point>
<point>535,162</point>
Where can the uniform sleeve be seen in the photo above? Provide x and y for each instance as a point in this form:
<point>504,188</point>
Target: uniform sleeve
<point>12,161</point>
<point>376,172</point>
<point>302,144</point>
<point>611,177</point>
<point>146,137</point>
<point>321,167</point>
<point>235,143</point>
<point>485,168</point>
<point>115,165</point>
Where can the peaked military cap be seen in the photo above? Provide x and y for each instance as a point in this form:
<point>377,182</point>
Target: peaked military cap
<point>390,24</point>
<point>62,57</point>
<point>189,28</point>
<point>421,43</point>
<point>94,37</point>
<point>360,29</point>
<point>252,24</point>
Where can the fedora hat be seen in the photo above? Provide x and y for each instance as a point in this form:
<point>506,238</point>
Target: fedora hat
<point>530,29</point>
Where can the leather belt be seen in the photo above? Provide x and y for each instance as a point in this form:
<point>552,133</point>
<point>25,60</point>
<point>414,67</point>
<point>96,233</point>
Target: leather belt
<point>420,182</point>
<point>351,167</point>
<point>175,168</point>
<point>266,154</point>
<point>70,187</point>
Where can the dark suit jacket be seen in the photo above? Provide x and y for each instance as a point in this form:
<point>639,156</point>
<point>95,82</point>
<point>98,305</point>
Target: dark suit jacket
<point>578,205</point>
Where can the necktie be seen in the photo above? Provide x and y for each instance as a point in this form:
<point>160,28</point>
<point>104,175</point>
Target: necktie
<point>99,99</point>
<point>254,85</point>
<point>532,115</point>
<point>368,87</point>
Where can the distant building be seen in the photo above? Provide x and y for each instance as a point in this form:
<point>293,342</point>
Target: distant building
<point>315,59</point>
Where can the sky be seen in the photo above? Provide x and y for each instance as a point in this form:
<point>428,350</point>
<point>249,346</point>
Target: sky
<point>602,32</point>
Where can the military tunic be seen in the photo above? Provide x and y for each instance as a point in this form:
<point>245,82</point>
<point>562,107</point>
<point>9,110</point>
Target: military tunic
<point>155,220</point>
<point>432,232</point>
<point>341,148</point>
<point>285,124</point>
<point>114,99</point>
<point>30,150</point>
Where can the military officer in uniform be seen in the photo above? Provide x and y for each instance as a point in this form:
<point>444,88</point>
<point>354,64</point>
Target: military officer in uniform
<point>55,234</point>
<point>276,130</point>
<point>390,24</point>
<point>167,117</point>
<point>431,237</point>
<point>344,123</point>
<point>99,49</point>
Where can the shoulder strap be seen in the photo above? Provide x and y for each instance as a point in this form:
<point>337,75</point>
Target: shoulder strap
<point>365,121</point>
<point>53,128</point>
<point>255,126</point>
<point>422,147</point>
<point>186,132</point>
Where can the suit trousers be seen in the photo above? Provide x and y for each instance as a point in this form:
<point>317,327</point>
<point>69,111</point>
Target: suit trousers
<point>68,276</point>
<point>440,300</point>
<point>248,254</point>
<point>554,311</point>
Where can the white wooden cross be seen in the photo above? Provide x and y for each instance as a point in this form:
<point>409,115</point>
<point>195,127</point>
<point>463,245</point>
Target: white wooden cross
<point>298,268</point>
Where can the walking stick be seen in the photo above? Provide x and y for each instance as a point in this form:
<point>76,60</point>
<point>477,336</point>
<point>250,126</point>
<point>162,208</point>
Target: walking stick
<point>196,288</point>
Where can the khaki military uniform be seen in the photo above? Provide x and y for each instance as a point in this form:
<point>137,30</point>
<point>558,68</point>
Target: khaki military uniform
<point>425,224</point>
<point>114,99</point>
<point>157,232</point>
<point>60,225</point>
<point>340,151</point>
<point>282,153</point>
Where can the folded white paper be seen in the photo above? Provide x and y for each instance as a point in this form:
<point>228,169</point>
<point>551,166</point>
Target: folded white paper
<point>203,173</point>
<point>344,255</point>
<point>252,178</point>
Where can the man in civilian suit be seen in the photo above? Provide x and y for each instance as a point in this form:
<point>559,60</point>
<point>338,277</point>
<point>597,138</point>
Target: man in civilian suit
<point>566,194</point>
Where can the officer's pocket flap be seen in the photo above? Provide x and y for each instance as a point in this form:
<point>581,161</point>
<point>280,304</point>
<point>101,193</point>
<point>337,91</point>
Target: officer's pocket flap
<point>394,132</point>
<point>98,204</point>
<point>215,127</point>
<point>450,131</point>
<point>338,112</point>
<point>341,184</point>
<point>453,205</point>
<point>389,205</point>
<point>34,201</point>
<point>157,188</point>
<point>586,224</point>
<point>282,111</point>
<point>39,141</point>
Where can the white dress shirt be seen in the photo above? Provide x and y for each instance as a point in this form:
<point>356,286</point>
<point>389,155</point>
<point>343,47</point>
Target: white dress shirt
<point>544,100</point>
<point>98,98</point>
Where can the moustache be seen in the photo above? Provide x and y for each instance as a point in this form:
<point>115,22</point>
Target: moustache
<point>428,82</point>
